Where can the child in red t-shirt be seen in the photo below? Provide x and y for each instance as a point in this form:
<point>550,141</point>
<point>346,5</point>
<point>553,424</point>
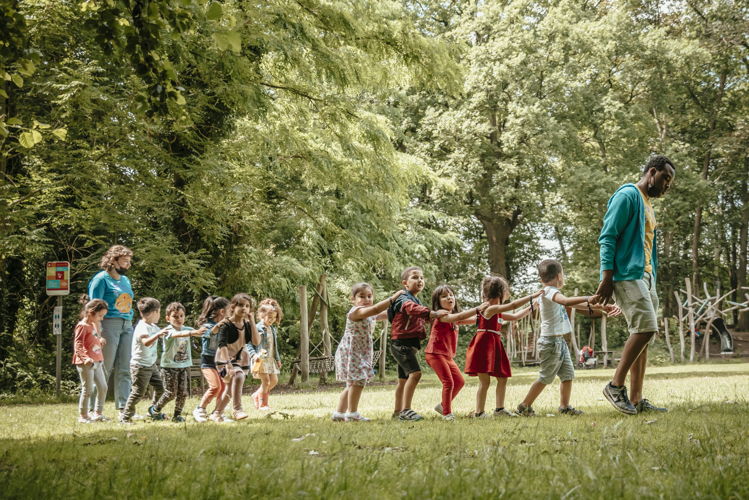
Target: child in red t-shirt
<point>443,342</point>
<point>486,356</point>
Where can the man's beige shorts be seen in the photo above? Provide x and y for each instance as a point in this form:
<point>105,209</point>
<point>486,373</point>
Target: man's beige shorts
<point>639,303</point>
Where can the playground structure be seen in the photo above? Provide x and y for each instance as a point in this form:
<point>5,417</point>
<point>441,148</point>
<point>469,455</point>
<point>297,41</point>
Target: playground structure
<point>705,315</point>
<point>693,312</point>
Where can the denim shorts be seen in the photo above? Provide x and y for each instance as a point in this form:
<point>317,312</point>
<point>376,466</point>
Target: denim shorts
<point>639,303</point>
<point>555,359</point>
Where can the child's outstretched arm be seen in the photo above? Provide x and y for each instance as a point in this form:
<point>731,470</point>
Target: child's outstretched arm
<point>366,312</point>
<point>463,316</point>
<point>518,315</point>
<point>509,306</point>
<point>148,341</point>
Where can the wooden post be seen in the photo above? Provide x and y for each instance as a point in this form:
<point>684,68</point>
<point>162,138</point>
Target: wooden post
<point>679,326</point>
<point>511,341</point>
<point>604,340</point>
<point>326,344</point>
<point>593,334</point>
<point>690,316</point>
<point>575,341</point>
<point>383,348</point>
<point>315,302</point>
<point>668,341</point>
<point>58,355</point>
<point>303,334</point>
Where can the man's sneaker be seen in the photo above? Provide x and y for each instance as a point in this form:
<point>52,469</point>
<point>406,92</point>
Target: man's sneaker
<point>480,414</point>
<point>239,415</point>
<point>355,417</point>
<point>644,406</point>
<point>155,414</point>
<point>504,412</point>
<point>338,417</point>
<point>570,410</point>
<point>617,396</point>
<point>450,417</point>
<point>199,415</point>
<point>438,408</point>
<point>216,417</point>
<point>98,417</point>
<point>525,411</point>
<point>410,415</point>
<point>178,418</point>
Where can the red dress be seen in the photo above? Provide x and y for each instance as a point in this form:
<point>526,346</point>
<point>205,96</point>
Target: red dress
<point>486,352</point>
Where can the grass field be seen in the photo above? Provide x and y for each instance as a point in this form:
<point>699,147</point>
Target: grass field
<point>699,449</point>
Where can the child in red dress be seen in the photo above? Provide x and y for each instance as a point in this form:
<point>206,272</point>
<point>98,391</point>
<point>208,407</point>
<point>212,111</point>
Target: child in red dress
<point>486,356</point>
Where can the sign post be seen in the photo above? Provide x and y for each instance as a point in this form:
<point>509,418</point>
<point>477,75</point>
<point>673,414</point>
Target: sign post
<point>58,284</point>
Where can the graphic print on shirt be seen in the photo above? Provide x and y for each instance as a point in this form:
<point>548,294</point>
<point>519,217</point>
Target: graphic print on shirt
<point>124,302</point>
<point>180,353</point>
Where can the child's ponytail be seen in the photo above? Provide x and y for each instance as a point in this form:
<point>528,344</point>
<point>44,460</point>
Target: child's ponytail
<point>211,305</point>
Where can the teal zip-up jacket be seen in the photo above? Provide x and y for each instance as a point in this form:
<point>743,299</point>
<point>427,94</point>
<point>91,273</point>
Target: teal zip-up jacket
<point>622,238</point>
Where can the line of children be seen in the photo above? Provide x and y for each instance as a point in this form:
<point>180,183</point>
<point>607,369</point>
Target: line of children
<point>231,343</point>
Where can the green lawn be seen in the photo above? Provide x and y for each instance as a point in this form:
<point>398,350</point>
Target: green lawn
<point>699,449</point>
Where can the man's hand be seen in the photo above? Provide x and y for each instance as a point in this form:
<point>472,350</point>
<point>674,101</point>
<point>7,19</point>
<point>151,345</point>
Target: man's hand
<point>612,310</point>
<point>605,289</point>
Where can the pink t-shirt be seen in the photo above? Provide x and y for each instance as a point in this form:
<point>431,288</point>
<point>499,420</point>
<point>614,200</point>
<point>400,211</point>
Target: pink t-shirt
<point>86,345</point>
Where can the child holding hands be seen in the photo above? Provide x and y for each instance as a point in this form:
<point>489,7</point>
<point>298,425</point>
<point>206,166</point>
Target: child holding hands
<point>143,369</point>
<point>553,349</point>
<point>443,342</point>
<point>486,356</point>
<point>353,358</point>
<point>267,365</point>
<point>88,359</point>
<point>176,360</point>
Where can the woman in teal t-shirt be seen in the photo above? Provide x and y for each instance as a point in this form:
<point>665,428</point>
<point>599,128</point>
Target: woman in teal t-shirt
<point>112,286</point>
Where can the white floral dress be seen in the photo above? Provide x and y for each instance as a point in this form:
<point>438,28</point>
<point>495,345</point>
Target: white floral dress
<point>353,358</point>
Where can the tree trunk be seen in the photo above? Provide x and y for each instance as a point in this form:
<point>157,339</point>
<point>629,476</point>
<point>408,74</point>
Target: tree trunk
<point>743,323</point>
<point>498,237</point>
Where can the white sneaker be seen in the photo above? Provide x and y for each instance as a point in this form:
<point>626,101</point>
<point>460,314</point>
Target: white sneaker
<point>438,408</point>
<point>216,417</point>
<point>199,415</point>
<point>137,417</point>
<point>355,417</point>
<point>98,417</point>
<point>239,415</point>
<point>483,414</point>
<point>264,408</point>
<point>338,417</point>
<point>449,417</point>
<point>83,420</point>
<point>504,412</point>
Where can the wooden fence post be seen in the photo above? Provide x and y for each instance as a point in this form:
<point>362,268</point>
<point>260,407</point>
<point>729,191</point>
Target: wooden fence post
<point>383,348</point>
<point>326,344</point>
<point>690,315</point>
<point>575,341</point>
<point>303,334</point>
<point>604,340</point>
<point>679,326</point>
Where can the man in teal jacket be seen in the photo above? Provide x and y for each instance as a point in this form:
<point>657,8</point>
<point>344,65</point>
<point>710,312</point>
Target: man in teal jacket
<point>628,272</point>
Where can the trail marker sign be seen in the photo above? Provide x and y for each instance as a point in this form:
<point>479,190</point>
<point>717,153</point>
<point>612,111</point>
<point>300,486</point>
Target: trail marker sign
<point>58,278</point>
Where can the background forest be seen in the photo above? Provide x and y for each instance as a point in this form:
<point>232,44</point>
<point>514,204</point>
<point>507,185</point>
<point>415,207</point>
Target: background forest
<point>252,146</point>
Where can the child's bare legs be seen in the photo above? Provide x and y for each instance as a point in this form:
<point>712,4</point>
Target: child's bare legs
<point>409,388</point>
<point>354,394</point>
<point>343,401</point>
<point>484,382</point>
<point>535,390</point>
<point>399,394</point>
<point>267,382</point>
<point>501,389</point>
<point>564,393</point>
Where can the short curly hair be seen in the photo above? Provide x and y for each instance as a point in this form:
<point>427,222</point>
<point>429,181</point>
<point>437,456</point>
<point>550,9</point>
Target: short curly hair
<point>657,162</point>
<point>114,253</point>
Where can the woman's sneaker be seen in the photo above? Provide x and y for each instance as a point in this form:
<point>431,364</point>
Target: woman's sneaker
<point>617,396</point>
<point>525,411</point>
<point>644,406</point>
<point>410,415</point>
<point>569,410</point>
<point>355,417</point>
<point>449,417</point>
<point>504,412</point>
<point>199,415</point>
<point>338,417</point>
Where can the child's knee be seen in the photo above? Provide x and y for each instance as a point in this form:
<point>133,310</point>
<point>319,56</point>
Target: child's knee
<point>415,376</point>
